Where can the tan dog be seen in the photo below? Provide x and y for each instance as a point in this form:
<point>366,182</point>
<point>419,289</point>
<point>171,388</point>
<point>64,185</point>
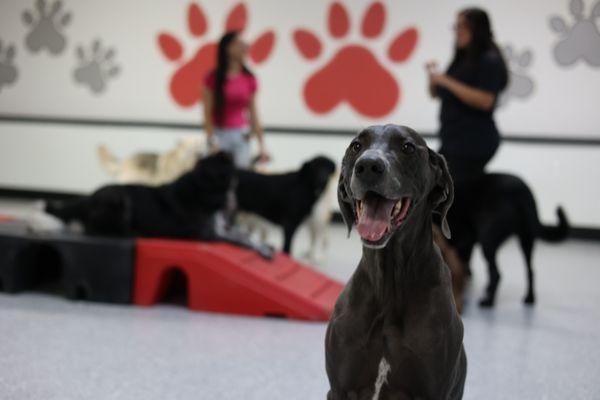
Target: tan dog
<point>153,168</point>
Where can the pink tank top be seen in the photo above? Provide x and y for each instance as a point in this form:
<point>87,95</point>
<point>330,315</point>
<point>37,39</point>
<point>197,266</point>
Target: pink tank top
<point>237,93</point>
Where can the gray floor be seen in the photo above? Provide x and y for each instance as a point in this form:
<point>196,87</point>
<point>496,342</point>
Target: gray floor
<point>52,348</point>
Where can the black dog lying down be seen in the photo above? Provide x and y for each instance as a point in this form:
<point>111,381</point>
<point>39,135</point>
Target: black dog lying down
<point>284,199</point>
<point>395,332</point>
<point>492,209</point>
<point>188,208</point>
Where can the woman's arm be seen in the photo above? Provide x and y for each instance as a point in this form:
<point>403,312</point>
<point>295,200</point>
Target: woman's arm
<point>257,127</point>
<point>469,95</point>
<point>207,98</point>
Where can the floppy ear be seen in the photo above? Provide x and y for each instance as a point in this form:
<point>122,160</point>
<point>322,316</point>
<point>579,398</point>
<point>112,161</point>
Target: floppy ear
<point>345,202</point>
<point>442,193</point>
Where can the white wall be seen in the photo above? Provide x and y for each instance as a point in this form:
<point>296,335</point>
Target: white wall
<point>564,102</point>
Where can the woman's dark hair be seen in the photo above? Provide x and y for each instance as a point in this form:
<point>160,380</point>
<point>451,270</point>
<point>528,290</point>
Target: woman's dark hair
<point>482,39</point>
<point>221,73</point>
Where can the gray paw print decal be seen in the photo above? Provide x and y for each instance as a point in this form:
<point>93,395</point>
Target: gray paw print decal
<point>46,23</point>
<point>520,85</point>
<point>8,71</point>
<point>96,67</point>
<point>579,41</point>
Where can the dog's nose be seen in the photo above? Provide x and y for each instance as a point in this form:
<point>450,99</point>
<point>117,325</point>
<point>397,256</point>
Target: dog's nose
<point>369,169</point>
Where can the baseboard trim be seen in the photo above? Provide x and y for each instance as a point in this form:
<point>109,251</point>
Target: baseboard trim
<point>577,232</point>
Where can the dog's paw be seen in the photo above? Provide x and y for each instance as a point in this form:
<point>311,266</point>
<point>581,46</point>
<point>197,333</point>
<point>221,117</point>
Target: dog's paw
<point>266,251</point>
<point>529,299</point>
<point>486,302</point>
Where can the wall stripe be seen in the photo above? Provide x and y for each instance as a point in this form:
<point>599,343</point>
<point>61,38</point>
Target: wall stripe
<point>511,138</point>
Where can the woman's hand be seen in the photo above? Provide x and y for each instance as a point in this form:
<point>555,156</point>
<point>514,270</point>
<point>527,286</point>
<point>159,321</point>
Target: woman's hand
<point>435,77</point>
<point>213,146</point>
<point>263,155</point>
<point>431,67</point>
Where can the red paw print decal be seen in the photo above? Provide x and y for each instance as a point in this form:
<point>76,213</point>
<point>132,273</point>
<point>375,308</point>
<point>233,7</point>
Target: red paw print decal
<point>354,74</point>
<point>186,81</point>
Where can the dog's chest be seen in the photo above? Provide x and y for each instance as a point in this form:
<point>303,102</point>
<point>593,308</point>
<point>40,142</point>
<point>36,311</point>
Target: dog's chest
<point>409,353</point>
<point>383,371</point>
<point>390,382</point>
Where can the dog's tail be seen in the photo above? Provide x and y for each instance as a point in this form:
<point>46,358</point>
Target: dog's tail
<point>555,233</point>
<point>548,233</point>
<point>109,162</point>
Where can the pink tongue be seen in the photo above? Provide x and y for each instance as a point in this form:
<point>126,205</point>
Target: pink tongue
<point>374,219</point>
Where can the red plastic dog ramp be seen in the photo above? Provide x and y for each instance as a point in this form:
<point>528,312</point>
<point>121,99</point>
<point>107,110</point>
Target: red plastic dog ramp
<point>225,278</point>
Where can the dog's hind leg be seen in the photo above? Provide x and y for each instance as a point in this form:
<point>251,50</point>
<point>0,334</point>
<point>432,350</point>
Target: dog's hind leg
<point>489,252</point>
<point>527,241</point>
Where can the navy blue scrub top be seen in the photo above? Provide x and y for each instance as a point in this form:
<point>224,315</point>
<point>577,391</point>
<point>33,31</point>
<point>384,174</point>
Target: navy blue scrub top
<point>467,131</point>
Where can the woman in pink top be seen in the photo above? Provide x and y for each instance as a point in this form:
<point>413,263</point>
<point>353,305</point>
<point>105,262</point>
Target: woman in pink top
<point>229,103</point>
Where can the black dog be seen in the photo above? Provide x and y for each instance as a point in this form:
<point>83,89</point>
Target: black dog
<point>284,199</point>
<point>490,210</point>
<point>188,208</point>
<point>395,332</point>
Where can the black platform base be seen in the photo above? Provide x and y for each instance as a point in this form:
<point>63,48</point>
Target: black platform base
<point>82,267</point>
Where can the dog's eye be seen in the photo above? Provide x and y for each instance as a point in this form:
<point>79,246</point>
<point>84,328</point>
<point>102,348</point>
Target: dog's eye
<point>355,146</point>
<point>408,148</point>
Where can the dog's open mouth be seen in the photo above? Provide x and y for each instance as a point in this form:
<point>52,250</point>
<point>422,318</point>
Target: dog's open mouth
<point>378,216</point>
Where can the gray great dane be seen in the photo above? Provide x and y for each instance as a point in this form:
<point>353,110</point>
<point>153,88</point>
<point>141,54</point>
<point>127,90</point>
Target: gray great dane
<point>395,332</point>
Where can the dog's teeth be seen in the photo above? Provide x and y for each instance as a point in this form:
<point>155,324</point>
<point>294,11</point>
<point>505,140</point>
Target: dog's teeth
<point>397,208</point>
